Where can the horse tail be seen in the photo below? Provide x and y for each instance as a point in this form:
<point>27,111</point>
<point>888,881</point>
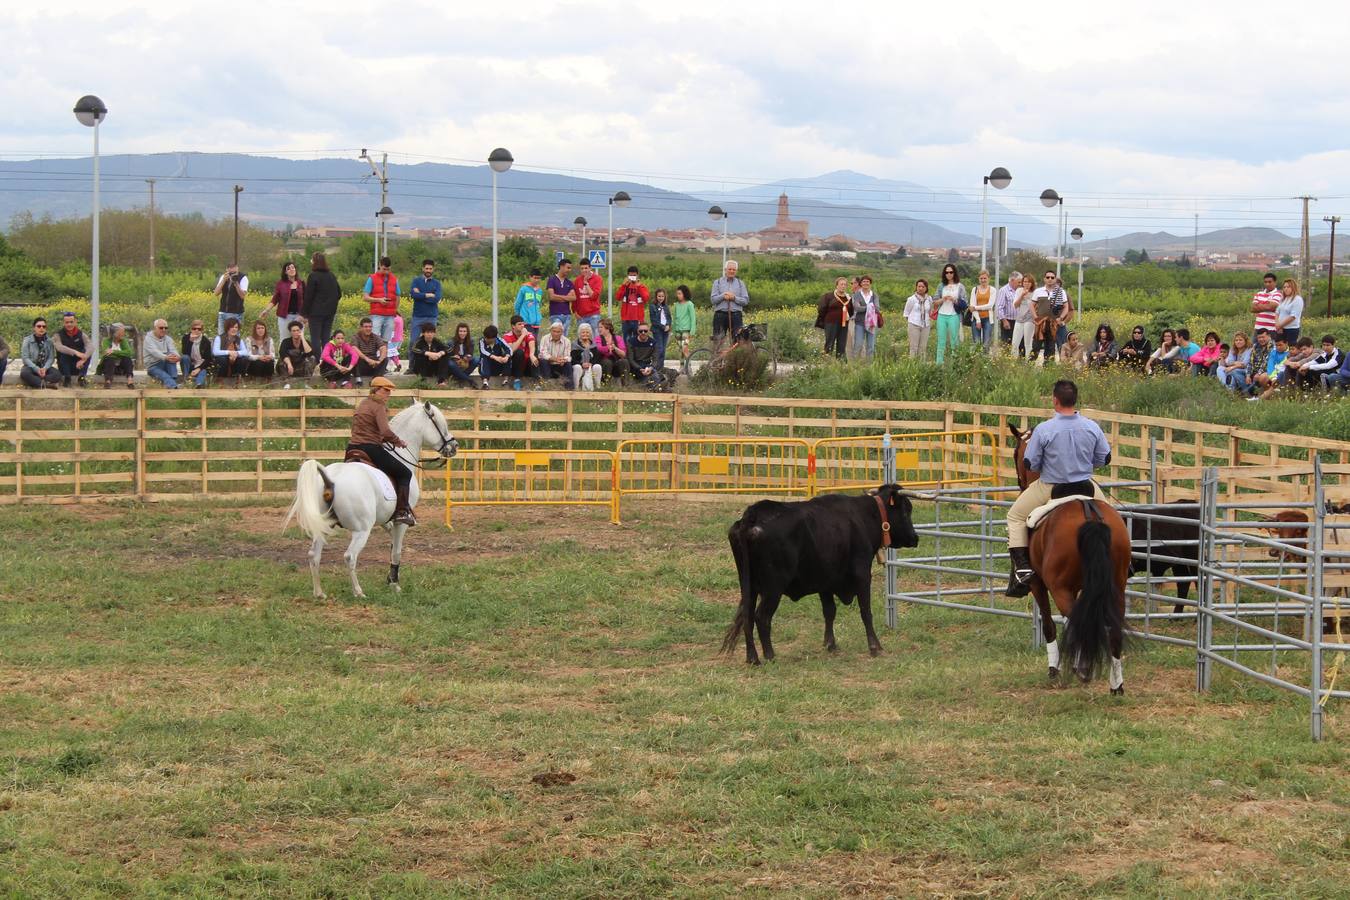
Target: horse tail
<point>313,506</point>
<point>740,549</point>
<point>1087,634</point>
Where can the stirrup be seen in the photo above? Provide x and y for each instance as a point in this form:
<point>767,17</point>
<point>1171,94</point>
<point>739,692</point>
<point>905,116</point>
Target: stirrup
<point>405,517</point>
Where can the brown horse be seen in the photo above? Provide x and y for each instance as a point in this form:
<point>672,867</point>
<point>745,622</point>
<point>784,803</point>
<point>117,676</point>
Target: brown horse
<point>1081,554</point>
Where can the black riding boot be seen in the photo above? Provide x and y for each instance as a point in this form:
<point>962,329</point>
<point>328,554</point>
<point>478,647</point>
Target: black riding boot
<point>1019,575</point>
<point>402,512</point>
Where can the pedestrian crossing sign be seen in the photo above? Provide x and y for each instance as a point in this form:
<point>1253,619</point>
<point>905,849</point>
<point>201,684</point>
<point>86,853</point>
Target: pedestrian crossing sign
<point>597,259</point>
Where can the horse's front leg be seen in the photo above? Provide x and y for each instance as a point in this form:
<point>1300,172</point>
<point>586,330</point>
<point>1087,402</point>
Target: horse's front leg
<point>316,554</point>
<point>396,555</point>
<point>353,553</point>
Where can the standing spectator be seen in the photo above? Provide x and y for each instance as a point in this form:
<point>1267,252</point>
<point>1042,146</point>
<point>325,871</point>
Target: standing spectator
<point>462,358</point>
<point>659,313</point>
<point>426,293</point>
<point>1265,304</point>
<point>587,373</point>
<point>296,356</point>
<point>1328,362</point>
<point>587,293</point>
<point>232,288</point>
<point>1003,308</point>
<point>833,315</point>
<point>1289,314</point>
<point>118,357</point>
<point>528,298</point>
<point>1062,310</point>
<point>1024,317</point>
<point>730,297</point>
<point>73,348</point>
<point>632,298</point>
<point>918,314</point>
<point>395,344</point>
<point>494,357</point>
<point>196,358</point>
<point>161,357</point>
<point>1103,351</point>
<point>337,361</point>
<point>982,311</point>
<point>381,292</point>
<point>288,299</point>
<point>866,320</point>
<point>685,318</point>
<point>642,357</point>
<point>613,351</point>
<point>1137,350</point>
<point>524,353</point>
<point>1206,359</point>
<point>319,304</point>
<point>37,355</point>
<point>430,356</point>
<point>952,302</point>
<point>262,353</point>
<point>1045,324</point>
<point>4,359</point>
<point>230,353</point>
<point>372,351</point>
<point>560,290</point>
<point>555,355</point>
<point>1167,354</point>
<point>1233,368</point>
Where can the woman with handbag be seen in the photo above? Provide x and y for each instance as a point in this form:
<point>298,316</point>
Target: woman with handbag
<point>832,314</point>
<point>952,303</point>
<point>866,320</point>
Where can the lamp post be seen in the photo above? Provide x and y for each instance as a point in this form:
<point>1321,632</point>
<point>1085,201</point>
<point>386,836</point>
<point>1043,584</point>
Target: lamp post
<point>619,199</point>
<point>384,215</point>
<point>1050,199</point>
<point>716,213</point>
<point>1077,235</point>
<point>499,161</point>
<point>581,220</point>
<point>1000,178</point>
<point>1331,261</point>
<point>90,111</point>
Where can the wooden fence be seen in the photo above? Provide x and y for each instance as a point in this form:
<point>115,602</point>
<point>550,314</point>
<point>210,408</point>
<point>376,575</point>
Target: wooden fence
<point>149,444</point>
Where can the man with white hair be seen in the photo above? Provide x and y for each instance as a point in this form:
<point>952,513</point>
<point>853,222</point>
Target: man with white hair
<point>1003,308</point>
<point>730,297</point>
<point>161,356</point>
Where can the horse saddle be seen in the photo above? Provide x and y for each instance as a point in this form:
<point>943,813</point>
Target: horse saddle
<point>383,482</point>
<point>1080,491</point>
<point>355,455</point>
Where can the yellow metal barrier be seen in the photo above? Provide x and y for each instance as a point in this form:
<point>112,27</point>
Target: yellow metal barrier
<point>712,466</point>
<point>531,478</point>
<point>922,459</point>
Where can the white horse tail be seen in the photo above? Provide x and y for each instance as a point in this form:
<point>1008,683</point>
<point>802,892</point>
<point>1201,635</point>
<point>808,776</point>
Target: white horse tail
<point>313,502</point>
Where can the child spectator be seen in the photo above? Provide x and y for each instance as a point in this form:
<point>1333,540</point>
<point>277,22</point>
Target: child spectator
<point>396,345</point>
<point>1264,383</point>
<point>684,320</point>
<point>494,357</point>
<point>524,353</point>
<point>528,300</point>
<point>1299,353</point>
<point>337,361</point>
<point>660,316</point>
<point>1312,372</point>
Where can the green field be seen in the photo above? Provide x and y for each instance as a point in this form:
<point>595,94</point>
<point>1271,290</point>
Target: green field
<point>179,717</point>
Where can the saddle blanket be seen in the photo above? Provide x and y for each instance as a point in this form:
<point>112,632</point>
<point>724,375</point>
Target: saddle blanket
<point>382,481</point>
<point>1039,513</point>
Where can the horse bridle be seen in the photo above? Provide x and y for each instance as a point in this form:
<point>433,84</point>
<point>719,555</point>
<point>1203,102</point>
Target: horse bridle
<point>440,461</point>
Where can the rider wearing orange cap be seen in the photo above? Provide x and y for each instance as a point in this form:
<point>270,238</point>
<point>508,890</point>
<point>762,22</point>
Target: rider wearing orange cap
<point>370,432</point>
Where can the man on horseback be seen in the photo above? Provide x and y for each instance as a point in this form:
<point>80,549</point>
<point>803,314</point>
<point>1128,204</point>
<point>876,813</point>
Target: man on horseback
<point>370,432</point>
<point>1064,450</point>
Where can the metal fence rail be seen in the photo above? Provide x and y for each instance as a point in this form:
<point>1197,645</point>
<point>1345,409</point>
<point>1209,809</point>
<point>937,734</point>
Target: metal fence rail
<point>531,478</point>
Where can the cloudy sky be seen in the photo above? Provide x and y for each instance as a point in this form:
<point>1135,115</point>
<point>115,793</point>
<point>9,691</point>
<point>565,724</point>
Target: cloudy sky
<point>1162,107</point>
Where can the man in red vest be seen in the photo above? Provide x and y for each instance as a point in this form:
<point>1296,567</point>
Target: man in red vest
<point>381,292</point>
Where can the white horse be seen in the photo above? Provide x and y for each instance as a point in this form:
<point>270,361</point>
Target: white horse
<point>352,495</point>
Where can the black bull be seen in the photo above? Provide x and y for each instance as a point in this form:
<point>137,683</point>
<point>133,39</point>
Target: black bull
<point>1161,535</point>
<point>820,546</point>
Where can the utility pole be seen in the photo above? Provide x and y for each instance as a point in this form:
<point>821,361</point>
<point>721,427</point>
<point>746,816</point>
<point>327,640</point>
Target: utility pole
<point>237,190</point>
<point>382,173</point>
<point>1195,250</point>
<point>151,182</point>
<point>1305,247</point>
<point>1331,262</point>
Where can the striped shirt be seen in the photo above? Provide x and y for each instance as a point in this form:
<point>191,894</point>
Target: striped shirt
<point>1267,318</point>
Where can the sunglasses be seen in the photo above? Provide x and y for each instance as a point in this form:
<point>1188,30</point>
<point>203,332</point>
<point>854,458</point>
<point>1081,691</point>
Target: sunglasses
<point>40,326</point>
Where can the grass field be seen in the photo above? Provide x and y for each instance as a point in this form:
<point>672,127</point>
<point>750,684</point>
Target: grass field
<point>179,717</point>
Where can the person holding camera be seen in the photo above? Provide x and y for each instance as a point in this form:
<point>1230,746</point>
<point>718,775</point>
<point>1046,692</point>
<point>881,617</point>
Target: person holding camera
<point>232,289</point>
<point>632,298</point>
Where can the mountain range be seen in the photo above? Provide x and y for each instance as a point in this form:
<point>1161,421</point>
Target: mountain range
<point>1232,239</point>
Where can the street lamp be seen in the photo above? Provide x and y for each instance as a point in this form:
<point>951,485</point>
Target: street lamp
<point>581,220</point>
<point>90,111</point>
<point>716,213</point>
<point>1000,178</point>
<point>384,215</point>
<point>619,199</point>
<point>1077,235</point>
<point>1051,199</point>
<point>499,161</point>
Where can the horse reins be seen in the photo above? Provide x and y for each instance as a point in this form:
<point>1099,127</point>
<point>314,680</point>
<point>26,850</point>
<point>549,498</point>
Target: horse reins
<point>439,462</point>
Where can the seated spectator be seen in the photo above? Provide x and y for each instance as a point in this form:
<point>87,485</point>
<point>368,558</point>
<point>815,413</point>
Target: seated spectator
<point>1341,377</point>
<point>230,353</point>
<point>1165,357</point>
<point>494,357</point>
<point>1233,368</point>
<point>38,357</point>
<point>296,357</point>
<point>1074,352</point>
<point>462,359</point>
<point>73,348</point>
<point>642,357</point>
<point>1299,353</point>
<point>338,361</point>
<point>1137,350</point>
<point>555,355</point>
<point>262,354</point>
<point>524,353</point>
<point>586,371</point>
<point>161,357</point>
<point>1103,351</point>
<point>4,359</point>
<point>1188,347</point>
<point>119,357</point>
<point>1313,372</point>
<point>1264,383</point>
<point>430,356</point>
<point>372,353</point>
<point>195,357</point>
<point>1206,359</point>
<point>613,351</point>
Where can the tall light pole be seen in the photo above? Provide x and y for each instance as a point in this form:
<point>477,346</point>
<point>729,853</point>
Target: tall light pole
<point>1077,235</point>
<point>384,215</point>
<point>499,161</point>
<point>381,172</point>
<point>1050,199</point>
<point>90,111</point>
<point>1331,261</point>
<point>151,182</point>
<point>716,213</point>
<point>619,199</point>
<point>1000,178</point>
<point>581,220</point>
<point>237,191</point>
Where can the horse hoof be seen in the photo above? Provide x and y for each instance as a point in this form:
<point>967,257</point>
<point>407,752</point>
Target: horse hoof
<point>1054,674</point>
<point>752,662</point>
<point>831,648</point>
<point>874,652</point>
<point>320,595</point>
<point>398,588</point>
<point>1118,692</point>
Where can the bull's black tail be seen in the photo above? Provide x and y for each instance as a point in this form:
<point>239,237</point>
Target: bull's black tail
<point>1086,642</point>
<point>740,549</point>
